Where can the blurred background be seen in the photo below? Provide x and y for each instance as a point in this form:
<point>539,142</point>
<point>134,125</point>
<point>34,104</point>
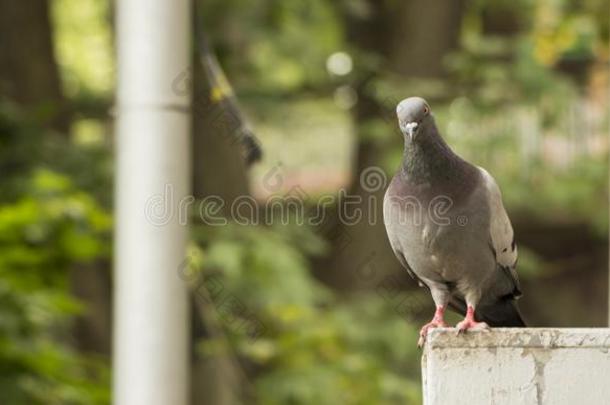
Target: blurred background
<point>287,313</point>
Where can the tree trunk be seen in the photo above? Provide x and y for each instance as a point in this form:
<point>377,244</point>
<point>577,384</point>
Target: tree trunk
<point>425,32</point>
<point>28,71</point>
<point>91,284</point>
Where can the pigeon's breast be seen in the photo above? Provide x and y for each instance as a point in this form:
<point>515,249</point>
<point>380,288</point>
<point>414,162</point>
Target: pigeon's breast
<point>432,230</point>
<point>412,233</point>
<point>414,237</point>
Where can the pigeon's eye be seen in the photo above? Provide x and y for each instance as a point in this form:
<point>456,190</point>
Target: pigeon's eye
<point>426,110</point>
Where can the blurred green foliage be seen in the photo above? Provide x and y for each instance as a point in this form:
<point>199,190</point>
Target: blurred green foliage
<point>83,42</point>
<point>274,47</point>
<point>48,226</point>
<point>314,347</point>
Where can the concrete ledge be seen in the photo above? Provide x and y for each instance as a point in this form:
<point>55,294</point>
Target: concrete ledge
<point>517,366</point>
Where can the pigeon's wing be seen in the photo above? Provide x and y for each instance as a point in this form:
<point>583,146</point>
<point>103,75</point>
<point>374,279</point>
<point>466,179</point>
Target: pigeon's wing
<point>502,238</point>
<point>393,229</point>
<point>401,258</point>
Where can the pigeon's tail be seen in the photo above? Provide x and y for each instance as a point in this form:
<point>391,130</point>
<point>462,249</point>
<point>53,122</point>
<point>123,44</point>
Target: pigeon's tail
<point>503,313</point>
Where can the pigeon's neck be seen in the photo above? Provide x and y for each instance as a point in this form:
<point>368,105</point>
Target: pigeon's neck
<point>428,157</point>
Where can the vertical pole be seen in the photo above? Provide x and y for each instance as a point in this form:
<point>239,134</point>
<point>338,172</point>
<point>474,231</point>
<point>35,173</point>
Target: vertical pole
<point>151,336</point>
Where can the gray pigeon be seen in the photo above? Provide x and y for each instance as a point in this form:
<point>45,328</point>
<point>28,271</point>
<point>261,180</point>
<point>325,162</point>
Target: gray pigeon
<point>447,226</point>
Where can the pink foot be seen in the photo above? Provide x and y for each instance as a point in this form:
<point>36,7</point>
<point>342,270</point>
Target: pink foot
<point>436,322</point>
<point>469,323</point>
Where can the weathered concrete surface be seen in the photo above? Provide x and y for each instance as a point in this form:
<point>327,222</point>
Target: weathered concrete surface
<point>517,366</point>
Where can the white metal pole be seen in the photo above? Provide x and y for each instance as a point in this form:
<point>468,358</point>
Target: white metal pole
<point>151,334</point>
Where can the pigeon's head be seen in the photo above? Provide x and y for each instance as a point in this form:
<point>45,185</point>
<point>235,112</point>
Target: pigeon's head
<point>413,114</point>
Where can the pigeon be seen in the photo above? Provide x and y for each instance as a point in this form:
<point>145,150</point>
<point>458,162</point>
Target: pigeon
<point>447,226</point>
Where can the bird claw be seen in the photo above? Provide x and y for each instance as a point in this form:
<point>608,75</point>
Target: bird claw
<point>423,333</point>
<point>469,324</point>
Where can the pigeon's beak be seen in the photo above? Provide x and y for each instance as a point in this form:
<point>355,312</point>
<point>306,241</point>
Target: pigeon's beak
<point>411,129</point>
